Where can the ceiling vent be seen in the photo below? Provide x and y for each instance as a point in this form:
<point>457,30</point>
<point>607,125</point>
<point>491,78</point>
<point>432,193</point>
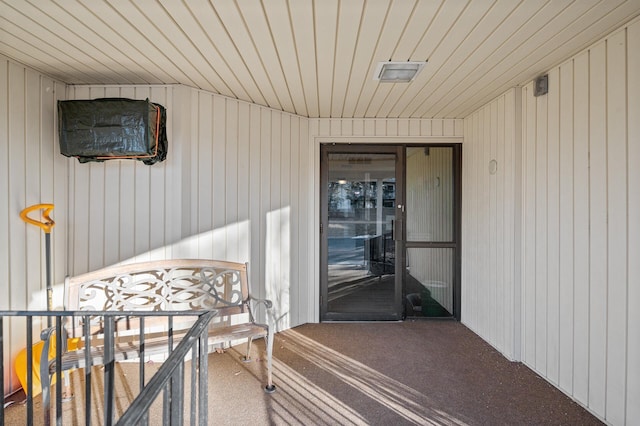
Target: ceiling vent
<point>397,72</point>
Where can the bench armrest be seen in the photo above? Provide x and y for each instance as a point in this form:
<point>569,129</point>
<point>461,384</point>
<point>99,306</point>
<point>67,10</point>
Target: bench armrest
<point>266,302</point>
<point>46,335</point>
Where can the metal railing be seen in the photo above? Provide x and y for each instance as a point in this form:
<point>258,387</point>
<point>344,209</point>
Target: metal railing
<point>170,378</point>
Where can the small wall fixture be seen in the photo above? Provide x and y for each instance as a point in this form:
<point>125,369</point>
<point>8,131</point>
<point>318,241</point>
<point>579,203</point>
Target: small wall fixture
<point>493,167</point>
<point>397,72</point>
<point>541,85</point>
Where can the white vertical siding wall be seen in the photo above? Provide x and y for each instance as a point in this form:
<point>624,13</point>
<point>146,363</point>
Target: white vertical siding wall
<point>548,266</point>
<point>232,188</point>
<point>31,172</point>
<point>490,205</point>
<point>581,238</point>
<point>124,211</point>
<point>248,196</point>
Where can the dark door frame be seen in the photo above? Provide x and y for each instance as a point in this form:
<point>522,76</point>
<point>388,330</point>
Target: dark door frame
<point>402,245</point>
<point>325,149</point>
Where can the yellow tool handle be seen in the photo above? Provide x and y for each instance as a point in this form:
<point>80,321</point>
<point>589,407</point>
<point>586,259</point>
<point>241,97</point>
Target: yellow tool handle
<point>47,224</point>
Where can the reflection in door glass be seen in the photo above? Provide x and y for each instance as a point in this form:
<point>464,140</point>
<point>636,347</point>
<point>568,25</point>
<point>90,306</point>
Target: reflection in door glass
<point>430,221</point>
<point>430,194</point>
<point>429,282</point>
<point>361,251</point>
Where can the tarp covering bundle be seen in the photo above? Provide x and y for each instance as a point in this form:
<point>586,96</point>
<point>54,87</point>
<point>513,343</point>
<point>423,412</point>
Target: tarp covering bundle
<point>112,128</point>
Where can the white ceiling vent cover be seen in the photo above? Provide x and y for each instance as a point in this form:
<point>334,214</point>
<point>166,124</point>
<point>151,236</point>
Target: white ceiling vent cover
<point>397,72</point>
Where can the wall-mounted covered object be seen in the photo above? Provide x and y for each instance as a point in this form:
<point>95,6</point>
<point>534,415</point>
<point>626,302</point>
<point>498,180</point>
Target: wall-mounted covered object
<point>111,129</point>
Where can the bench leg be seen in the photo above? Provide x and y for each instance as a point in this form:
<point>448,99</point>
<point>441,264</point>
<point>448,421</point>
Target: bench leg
<point>270,388</point>
<point>247,356</point>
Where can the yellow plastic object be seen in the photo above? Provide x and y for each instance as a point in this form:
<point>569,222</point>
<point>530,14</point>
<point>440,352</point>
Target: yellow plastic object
<point>47,224</point>
<point>20,363</point>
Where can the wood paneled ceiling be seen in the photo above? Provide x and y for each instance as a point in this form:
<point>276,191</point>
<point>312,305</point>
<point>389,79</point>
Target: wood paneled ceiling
<point>315,58</point>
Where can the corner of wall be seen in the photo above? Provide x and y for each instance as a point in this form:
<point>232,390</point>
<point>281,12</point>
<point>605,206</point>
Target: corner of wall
<point>517,234</point>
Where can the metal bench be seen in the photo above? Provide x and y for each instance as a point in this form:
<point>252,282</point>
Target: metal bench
<point>159,286</point>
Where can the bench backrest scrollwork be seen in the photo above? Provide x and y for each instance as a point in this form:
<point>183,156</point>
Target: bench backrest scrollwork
<point>166,285</point>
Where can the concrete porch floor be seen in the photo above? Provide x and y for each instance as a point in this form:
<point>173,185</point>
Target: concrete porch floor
<point>379,373</point>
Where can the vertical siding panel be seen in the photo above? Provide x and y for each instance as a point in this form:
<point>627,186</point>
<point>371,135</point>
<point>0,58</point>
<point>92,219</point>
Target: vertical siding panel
<point>485,214</point>
<point>158,188</point>
<point>48,178</point>
<point>502,290</point>
<point>369,128</point>
<point>4,193</point>
<point>633,213</point>
<point>414,128</point>
<point>597,228</point>
<point>617,228</point>
<point>324,127</point>
<point>231,184</point>
<point>506,230</point>
<point>111,205</point>
<point>541,200</point>
<point>335,127</point>
<point>529,236</point>
<point>529,232</point>
<point>437,128</point>
<point>358,128</point>
<point>97,201</point>
<point>18,230</point>
<point>475,293</point>
<point>284,225</point>
<point>178,203</point>
<point>34,237</point>
<point>255,179</point>
<point>380,127</point>
<point>492,180</point>
<point>61,165</point>
<point>265,199</point>
<point>403,127</point>
<point>425,127</point>
<point>480,281</point>
<point>392,127</point>
<point>81,204</point>
<point>448,127</point>
<point>581,229</point>
<point>244,206</point>
<point>565,368</point>
<point>274,212</point>
<point>218,182</point>
<point>127,200</point>
<point>69,93</point>
<point>142,199</point>
<point>467,229</point>
<point>192,186</point>
<point>346,127</point>
<point>203,187</point>
<point>307,286</point>
<point>553,227</point>
<point>5,226</point>
<point>296,278</point>
<point>458,127</point>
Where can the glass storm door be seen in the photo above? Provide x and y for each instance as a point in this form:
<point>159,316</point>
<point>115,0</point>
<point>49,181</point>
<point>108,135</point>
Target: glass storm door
<point>390,231</point>
<point>361,220</point>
